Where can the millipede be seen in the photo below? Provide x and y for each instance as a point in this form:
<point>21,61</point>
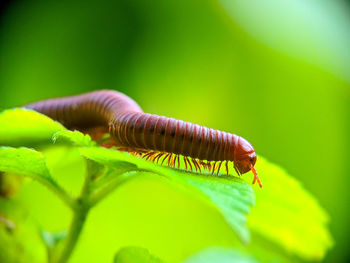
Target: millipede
<point>156,138</point>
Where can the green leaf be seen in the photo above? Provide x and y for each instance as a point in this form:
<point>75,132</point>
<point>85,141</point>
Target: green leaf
<point>21,127</point>
<point>30,163</point>
<point>24,161</point>
<point>286,214</point>
<point>135,255</point>
<point>52,239</point>
<point>220,255</point>
<point>231,196</point>
<point>75,138</point>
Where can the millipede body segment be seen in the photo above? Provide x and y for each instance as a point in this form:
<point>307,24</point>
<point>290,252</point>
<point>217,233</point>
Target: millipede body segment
<point>156,138</point>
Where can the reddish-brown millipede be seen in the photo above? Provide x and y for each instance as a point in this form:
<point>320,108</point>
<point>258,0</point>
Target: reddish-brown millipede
<point>153,137</point>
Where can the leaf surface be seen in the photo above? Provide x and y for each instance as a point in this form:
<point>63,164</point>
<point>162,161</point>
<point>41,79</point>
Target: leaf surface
<point>24,161</point>
<point>30,163</point>
<point>75,138</point>
<point>289,215</point>
<point>21,127</point>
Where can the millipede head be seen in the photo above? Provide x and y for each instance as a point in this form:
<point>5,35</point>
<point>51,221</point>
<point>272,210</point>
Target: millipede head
<point>245,159</point>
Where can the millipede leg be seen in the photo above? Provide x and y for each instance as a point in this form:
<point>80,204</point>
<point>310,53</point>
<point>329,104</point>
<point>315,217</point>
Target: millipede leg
<point>185,162</point>
<point>195,164</point>
<point>149,156</point>
<point>173,160</point>
<point>203,164</point>
<point>209,166</point>
<point>227,167</point>
<point>219,168</point>
<point>189,163</point>
<point>198,165</point>
<point>170,159</point>
<point>153,157</point>
<point>156,159</point>
<point>237,171</point>
<point>176,159</point>
<point>146,155</point>
<point>165,157</point>
<point>213,170</point>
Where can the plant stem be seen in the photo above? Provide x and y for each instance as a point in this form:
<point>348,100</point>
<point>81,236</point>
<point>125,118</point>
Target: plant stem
<point>80,212</point>
<point>60,192</point>
<point>82,205</point>
<point>79,217</point>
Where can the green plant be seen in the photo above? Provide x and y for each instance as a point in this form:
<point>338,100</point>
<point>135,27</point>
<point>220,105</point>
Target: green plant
<point>282,221</point>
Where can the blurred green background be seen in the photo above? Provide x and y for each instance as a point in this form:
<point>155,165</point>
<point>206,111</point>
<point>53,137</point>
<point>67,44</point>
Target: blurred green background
<point>274,72</point>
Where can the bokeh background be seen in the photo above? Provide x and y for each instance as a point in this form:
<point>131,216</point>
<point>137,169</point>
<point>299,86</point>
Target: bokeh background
<point>275,72</point>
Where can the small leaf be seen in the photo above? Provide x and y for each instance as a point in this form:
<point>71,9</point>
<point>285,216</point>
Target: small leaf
<point>20,127</point>
<point>75,138</point>
<point>52,239</point>
<point>288,215</point>
<point>30,163</point>
<point>231,196</point>
<point>135,255</point>
<point>24,161</point>
<point>220,255</point>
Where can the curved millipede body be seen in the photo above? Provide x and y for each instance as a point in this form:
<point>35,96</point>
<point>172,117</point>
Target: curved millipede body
<point>153,137</point>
